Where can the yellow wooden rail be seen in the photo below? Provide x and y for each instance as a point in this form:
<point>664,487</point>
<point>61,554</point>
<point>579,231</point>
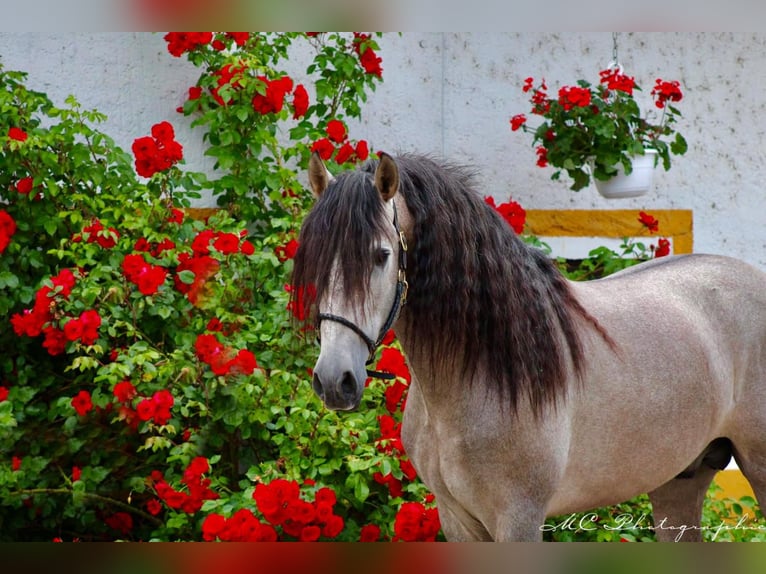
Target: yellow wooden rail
<point>614,223</point>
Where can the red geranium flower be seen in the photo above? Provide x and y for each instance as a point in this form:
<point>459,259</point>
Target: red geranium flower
<point>664,92</point>
<point>517,121</point>
<point>574,96</point>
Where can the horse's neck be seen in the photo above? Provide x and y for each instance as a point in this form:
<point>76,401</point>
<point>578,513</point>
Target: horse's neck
<point>441,392</point>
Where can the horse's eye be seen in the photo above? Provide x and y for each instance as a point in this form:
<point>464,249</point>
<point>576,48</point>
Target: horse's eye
<point>381,256</point>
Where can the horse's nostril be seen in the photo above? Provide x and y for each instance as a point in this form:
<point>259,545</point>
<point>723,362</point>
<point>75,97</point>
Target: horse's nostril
<point>316,384</point>
<point>348,385</point>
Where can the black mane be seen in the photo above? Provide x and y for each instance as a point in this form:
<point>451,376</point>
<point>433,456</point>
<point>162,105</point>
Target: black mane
<point>479,298</point>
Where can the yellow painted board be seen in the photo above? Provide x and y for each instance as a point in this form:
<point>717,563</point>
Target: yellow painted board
<point>617,223</point>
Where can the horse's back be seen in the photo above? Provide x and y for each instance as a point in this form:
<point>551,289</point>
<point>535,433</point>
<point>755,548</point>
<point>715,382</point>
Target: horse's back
<point>687,365</point>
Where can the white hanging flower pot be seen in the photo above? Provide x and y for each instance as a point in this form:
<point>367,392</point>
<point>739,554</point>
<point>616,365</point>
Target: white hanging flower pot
<point>636,183</point>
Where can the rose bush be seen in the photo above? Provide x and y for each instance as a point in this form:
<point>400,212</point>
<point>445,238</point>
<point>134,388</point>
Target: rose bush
<point>152,383</point>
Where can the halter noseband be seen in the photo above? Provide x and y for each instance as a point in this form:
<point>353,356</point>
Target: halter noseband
<point>400,298</point>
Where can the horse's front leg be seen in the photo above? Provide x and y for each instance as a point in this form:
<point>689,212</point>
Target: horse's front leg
<point>459,526</point>
<point>517,523</point>
<point>519,527</point>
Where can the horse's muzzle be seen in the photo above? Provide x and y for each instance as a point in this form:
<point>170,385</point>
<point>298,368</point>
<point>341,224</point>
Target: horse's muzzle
<point>338,393</point>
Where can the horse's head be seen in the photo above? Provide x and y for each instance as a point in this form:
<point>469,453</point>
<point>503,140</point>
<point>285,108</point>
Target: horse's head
<point>352,255</point>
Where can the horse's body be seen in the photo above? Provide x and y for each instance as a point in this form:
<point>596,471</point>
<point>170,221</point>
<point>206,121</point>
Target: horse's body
<point>663,376</point>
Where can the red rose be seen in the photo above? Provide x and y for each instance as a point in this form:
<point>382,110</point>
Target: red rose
<point>344,154</point>
<point>82,403</point>
<point>124,391</point>
<point>362,151</point>
<point>17,134</point>
<point>648,221</point>
<point>7,229</point>
<point>310,533</point>
<point>336,131</point>
<point>333,527</point>
<point>407,521</point>
<point>121,521</point>
<point>54,341</point>
<point>163,132</point>
<point>24,185</point>
<point>243,363</point>
<point>663,248</point>
<point>226,243</point>
<point>154,507</point>
<point>91,321</point>
<point>324,147</point>
<point>370,61</point>
<point>300,101</point>
<point>369,533</point>
<point>240,38</point>
<point>145,409</point>
<point>3,394</point>
<point>76,473</point>
<point>287,251</point>
<point>73,330</point>
<point>212,526</point>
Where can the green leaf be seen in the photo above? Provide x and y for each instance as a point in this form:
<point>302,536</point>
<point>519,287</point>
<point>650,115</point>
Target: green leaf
<point>187,277</point>
<point>8,279</point>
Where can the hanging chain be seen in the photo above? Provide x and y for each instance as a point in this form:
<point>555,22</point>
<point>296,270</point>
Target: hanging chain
<point>615,63</point>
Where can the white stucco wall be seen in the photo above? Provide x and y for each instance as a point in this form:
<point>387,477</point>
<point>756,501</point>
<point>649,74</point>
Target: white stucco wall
<point>451,94</point>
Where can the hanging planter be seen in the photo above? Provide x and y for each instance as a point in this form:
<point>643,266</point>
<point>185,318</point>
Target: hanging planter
<point>635,184</point>
<point>586,129</point>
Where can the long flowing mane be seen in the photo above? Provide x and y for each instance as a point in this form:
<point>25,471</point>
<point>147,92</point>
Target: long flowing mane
<point>480,298</point>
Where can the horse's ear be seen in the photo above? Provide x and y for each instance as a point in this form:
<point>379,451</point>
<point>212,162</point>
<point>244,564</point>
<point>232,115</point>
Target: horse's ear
<point>319,177</point>
<point>387,177</point>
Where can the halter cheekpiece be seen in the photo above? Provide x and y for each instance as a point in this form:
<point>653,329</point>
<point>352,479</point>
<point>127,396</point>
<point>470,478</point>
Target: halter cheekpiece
<point>400,298</point>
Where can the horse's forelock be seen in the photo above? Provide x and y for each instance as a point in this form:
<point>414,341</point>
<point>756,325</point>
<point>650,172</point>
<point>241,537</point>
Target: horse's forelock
<point>337,237</point>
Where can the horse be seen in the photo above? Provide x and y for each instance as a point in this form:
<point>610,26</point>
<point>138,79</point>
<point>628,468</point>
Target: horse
<point>532,395</point>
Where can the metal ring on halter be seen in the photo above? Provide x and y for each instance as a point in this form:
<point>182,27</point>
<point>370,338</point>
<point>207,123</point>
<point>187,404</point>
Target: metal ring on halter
<point>400,298</point>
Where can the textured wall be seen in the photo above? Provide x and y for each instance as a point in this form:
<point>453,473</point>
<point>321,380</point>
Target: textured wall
<point>451,94</point>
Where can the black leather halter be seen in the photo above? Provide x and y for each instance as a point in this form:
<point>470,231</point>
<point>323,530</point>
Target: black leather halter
<point>400,298</point>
